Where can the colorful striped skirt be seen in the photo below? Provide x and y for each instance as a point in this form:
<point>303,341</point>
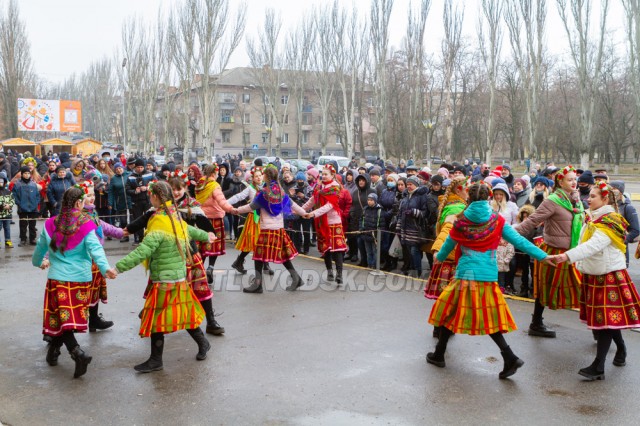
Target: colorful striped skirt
<point>472,307</point>
<point>249,237</point>
<point>274,245</point>
<point>557,287</point>
<point>169,307</point>
<point>609,301</point>
<point>66,306</point>
<point>335,242</point>
<point>197,278</point>
<point>218,247</point>
<point>441,275</point>
<point>98,286</point>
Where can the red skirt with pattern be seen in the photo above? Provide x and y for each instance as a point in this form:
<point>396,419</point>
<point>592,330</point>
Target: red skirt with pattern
<point>609,301</point>
<point>336,241</point>
<point>441,275</point>
<point>66,306</point>
<point>98,286</point>
<point>218,247</point>
<point>197,278</point>
<point>274,245</point>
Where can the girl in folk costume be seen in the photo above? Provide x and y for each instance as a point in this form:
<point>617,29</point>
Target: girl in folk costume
<point>192,214</point>
<point>72,245</point>
<point>251,229</point>
<point>209,195</point>
<point>563,215</point>
<point>452,203</point>
<point>609,301</point>
<point>99,283</point>
<point>170,304</point>
<point>274,244</point>
<point>473,303</point>
<point>328,222</point>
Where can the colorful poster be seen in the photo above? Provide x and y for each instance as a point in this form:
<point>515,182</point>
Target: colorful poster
<point>42,115</point>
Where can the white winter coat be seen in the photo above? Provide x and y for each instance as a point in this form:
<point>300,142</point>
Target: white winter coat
<point>598,256</point>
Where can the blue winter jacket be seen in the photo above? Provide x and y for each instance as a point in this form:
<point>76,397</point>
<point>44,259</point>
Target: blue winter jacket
<point>483,266</point>
<point>118,197</point>
<point>56,189</point>
<point>27,196</point>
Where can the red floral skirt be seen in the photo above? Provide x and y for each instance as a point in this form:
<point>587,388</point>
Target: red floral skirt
<point>440,277</point>
<point>335,242</point>
<point>274,245</point>
<point>609,301</point>
<point>98,286</point>
<point>66,306</point>
<point>218,247</point>
<point>197,278</point>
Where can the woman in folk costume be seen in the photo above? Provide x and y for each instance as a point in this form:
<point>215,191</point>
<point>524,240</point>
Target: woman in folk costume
<point>209,195</point>
<point>274,244</point>
<point>70,241</point>
<point>171,304</point>
<point>251,229</point>
<point>99,283</point>
<point>452,203</point>
<point>473,303</point>
<point>192,214</point>
<point>609,301</point>
<point>328,222</point>
<point>563,215</point>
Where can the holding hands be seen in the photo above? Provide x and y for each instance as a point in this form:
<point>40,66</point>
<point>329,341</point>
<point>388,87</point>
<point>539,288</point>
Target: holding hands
<point>112,273</point>
<point>556,259</point>
<point>212,237</point>
<point>45,264</point>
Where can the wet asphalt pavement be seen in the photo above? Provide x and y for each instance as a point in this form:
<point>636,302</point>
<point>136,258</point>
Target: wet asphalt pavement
<point>315,356</point>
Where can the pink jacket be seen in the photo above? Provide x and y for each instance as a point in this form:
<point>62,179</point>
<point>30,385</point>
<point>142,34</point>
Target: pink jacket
<point>333,217</point>
<point>267,221</point>
<point>216,206</point>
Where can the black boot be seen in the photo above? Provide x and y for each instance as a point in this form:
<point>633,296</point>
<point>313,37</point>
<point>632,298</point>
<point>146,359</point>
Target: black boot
<point>255,285</point>
<point>154,363</point>
<point>212,325</point>
<point>537,327</point>
<point>338,259</point>
<point>436,332</point>
<point>53,352</point>
<point>238,265</point>
<point>267,269</point>
<point>296,280</point>
<point>511,363</point>
<point>201,340</point>
<point>209,273</point>
<point>97,321</point>
<point>82,361</point>
<point>592,372</point>
<point>437,358</point>
<point>620,359</point>
<point>330,276</point>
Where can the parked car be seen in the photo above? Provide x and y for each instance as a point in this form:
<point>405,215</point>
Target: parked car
<point>265,160</point>
<point>326,159</point>
<point>159,160</point>
<point>436,160</point>
<point>298,164</point>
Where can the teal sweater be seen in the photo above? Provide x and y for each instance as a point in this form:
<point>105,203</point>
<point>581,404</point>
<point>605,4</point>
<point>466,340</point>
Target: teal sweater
<point>483,266</point>
<point>75,264</point>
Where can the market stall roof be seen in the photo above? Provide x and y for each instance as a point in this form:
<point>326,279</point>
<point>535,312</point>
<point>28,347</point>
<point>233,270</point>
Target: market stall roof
<point>56,142</point>
<point>88,146</point>
<point>17,142</point>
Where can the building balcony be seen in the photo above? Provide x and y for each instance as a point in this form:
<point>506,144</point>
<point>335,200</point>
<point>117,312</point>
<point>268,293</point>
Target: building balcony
<point>227,123</point>
<point>307,127</point>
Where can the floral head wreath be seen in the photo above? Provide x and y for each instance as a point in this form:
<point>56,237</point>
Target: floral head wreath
<point>28,160</point>
<point>152,184</point>
<point>330,168</point>
<point>269,166</point>
<point>216,168</point>
<point>488,187</point>
<point>604,189</point>
<point>463,185</point>
<point>255,169</point>
<point>568,169</point>
<point>84,186</point>
<point>180,175</point>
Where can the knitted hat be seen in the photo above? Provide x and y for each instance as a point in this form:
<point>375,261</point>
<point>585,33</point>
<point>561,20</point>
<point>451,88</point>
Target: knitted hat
<point>375,171</point>
<point>526,178</point>
<point>424,176</point>
<point>118,164</point>
<point>617,184</point>
<point>587,177</point>
<point>414,180</point>
<point>373,196</point>
<point>521,182</point>
<point>444,172</point>
<point>139,162</point>
<point>600,176</point>
<point>543,180</point>
<point>437,179</point>
<point>300,175</point>
<point>313,172</point>
<point>390,168</point>
<point>394,176</point>
<point>25,169</point>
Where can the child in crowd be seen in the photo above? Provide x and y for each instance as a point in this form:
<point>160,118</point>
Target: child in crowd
<point>27,197</point>
<point>369,225</point>
<point>6,209</point>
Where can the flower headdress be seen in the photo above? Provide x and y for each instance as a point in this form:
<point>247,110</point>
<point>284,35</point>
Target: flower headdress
<point>488,187</point>
<point>84,186</point>
<point>151,184</point>
<point>255,169</point>
<point>269,166</point>
<point>568,169</point>
<point>330,168</point>
<point>28,160</point>
<point>463,185</point>
<point>180,175</point>
<point>604,189</point>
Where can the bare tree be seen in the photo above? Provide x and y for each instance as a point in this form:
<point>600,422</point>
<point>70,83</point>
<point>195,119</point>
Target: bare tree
<point>16,74</point>
<point>490,46</point>
<point>98,87</point>
<point>451,46</point>
<point>632,10</point>
<point>587,59</point>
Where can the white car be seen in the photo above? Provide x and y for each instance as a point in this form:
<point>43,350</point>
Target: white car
<point>326,159</point>
<point>159,160</point>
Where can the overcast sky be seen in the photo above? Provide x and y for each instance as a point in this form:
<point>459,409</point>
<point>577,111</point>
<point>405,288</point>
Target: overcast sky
<point>66,35</point>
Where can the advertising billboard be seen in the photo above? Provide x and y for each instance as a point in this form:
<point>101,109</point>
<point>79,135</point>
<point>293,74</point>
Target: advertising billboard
<point>43,115</point>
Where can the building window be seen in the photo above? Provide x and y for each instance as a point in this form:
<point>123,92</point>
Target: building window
<point>285,138</point>
<point>284,99</point>
<point>226,116</point>
<point>265,100</point>
<point>226,137</point>
<point>285,119</point>
<point>247,118</point>
<point>307,119</point>
<point>319,119</point>
<point>246,98</point>
<point>264,119</point>
<point>227,98</point>
<point>305,138</point>
<point>265,138</point>
<point>370,102</point>
<point>246,138</point>
<point>338,140</point>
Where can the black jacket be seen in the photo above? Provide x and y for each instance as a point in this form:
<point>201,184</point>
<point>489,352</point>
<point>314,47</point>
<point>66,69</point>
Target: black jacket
<point>136,180</point>
<point>359,202</point>
<point>412,217</point>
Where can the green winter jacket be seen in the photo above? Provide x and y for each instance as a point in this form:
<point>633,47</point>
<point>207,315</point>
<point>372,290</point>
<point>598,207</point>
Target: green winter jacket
<point>165,263</point>
<point>6,199</point>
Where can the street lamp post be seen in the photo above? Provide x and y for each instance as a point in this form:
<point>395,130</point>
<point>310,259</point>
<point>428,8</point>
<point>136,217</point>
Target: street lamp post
<point>124,124</point>
<point>429,126</point>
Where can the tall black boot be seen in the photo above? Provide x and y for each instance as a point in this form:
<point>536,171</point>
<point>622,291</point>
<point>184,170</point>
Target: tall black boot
<point>96,320</point>
<point>596,370</point>
<point>268,269</point>
<point>537,327</point>
<point>212,264</point>
<point>338,258</point>
<point>296,279</point>
<point>81,359</point>
<point>53,352</point>
<point>256,282</point>
<point>437,358</point>
<point>620,359</point>
<point>201,340</point>
<point>511,363</point>
<point>212,325</point>
<point>154,363</point>
<point>327,263</point>
<point>238,264</point>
